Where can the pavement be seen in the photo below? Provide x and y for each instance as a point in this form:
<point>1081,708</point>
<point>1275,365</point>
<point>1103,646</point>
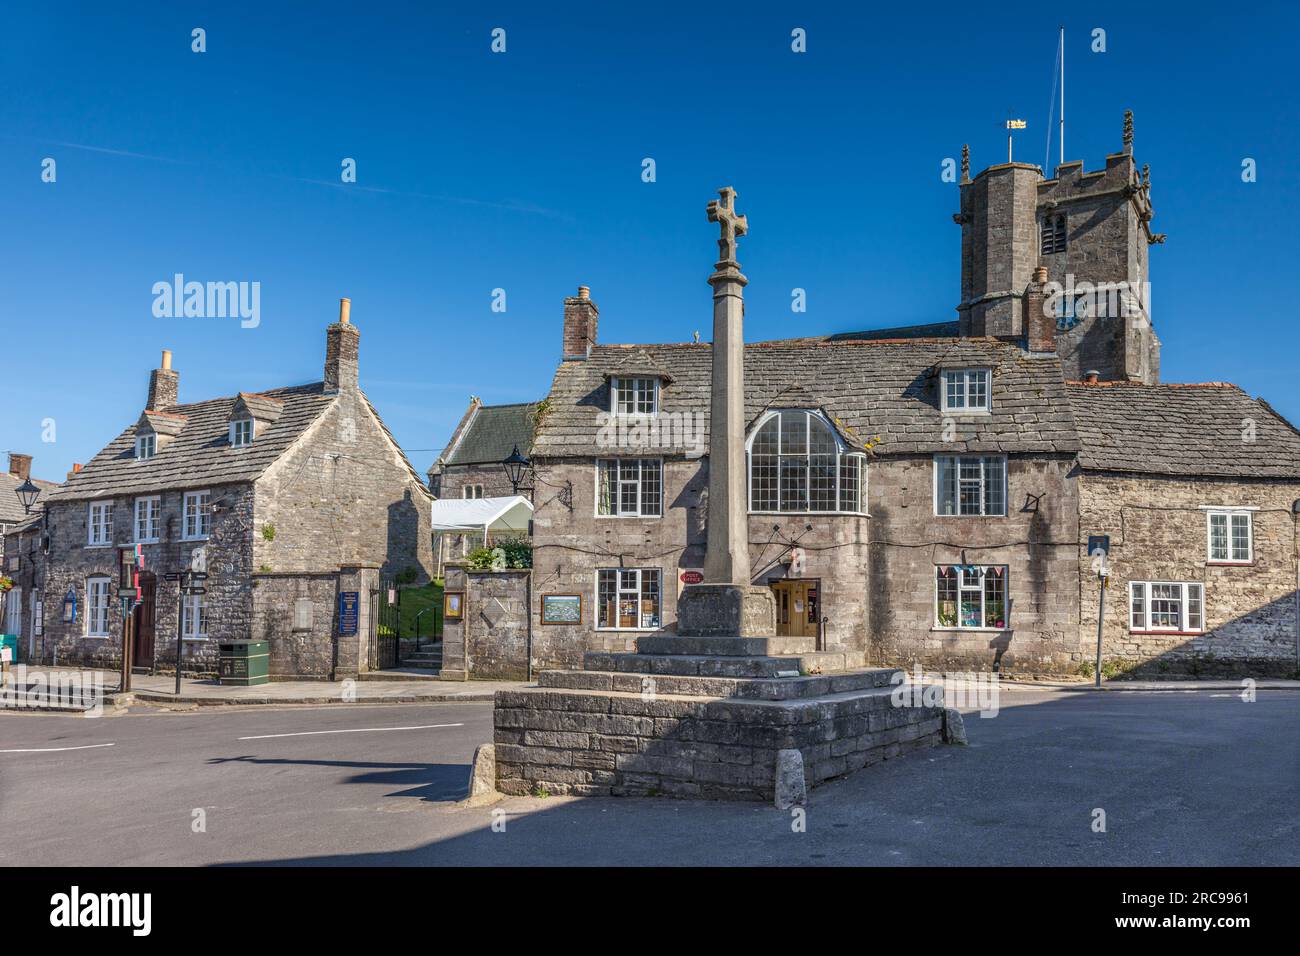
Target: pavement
<point>405,686</point>
<point>1197,778</point>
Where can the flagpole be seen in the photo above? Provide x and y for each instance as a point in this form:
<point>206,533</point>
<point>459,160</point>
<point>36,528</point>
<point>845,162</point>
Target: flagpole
<point>1062,136</point>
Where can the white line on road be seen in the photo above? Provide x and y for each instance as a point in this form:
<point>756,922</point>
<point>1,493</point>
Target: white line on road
<point>50,750</point>
<point>360,730</point>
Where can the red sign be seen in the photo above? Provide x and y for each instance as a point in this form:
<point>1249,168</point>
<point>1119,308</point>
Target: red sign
<point>691,577</point>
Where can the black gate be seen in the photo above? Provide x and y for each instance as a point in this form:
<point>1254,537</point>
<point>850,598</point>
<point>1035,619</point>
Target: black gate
<point>385,619</point>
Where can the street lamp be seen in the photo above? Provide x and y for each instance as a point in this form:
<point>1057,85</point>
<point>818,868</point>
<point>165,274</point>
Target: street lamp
<point>27,493</point>
<point>515,466</point>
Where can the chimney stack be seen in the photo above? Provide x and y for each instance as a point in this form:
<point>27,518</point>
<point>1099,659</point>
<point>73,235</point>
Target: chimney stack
<point>20,465</point>
<point>164,385</point>
<point>1091,376</point>
<point>342,348</point>
<point>76,467</point>
<point>580,318</point>
<point>1040,326</point>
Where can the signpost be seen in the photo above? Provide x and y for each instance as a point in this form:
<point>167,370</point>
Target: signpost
<point>189,582</point>
<point>1099,554</point>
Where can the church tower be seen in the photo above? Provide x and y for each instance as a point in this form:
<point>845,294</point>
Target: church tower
<point>1091,231</point>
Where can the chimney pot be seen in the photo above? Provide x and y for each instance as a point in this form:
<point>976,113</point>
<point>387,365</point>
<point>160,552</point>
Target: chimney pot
<point>345,311</point>
<point>584,292</point>
<point>167,358</point>
<point>1091,376</point>
<point>1040,275</point>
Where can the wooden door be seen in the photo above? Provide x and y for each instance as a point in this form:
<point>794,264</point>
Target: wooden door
<point>796,607</point>
<point>142,642</point>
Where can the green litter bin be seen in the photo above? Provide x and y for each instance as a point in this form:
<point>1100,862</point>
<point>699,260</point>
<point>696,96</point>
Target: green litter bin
<point>244,663</point>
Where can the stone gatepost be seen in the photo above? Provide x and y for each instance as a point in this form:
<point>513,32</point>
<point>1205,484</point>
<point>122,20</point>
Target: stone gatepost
<point>353,654</point>
<point>455,664</point>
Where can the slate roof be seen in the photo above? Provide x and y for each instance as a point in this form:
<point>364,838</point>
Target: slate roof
<point>492,433</point>
<point>201,453</point>
<point>869,386</point>
<point>11,509</point>
<point>1177,429</point>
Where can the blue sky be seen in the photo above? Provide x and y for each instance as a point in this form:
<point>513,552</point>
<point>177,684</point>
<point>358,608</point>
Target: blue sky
<point>522,171</point>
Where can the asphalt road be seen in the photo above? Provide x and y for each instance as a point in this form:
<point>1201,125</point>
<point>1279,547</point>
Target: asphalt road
<point>1195,778</point>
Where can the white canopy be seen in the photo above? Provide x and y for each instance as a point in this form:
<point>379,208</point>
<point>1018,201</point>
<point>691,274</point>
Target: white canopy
<point>507,514</point>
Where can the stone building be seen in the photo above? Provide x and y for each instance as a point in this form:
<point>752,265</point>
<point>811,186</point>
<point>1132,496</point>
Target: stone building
<point>470,465</point>
<point>22,544</point>
<point>930,494</point>
<point>290,497</point>
<point>1194,492</point>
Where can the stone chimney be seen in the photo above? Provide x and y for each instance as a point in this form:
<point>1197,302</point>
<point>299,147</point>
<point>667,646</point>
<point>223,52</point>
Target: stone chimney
<point>1040,327</point>
<point>342,346</point>
<point>20,465</point>
<point>580,317</point>
<point>164,385</point>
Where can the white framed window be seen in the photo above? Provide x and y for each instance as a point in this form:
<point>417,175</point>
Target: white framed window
<point>634,396</point>
<point>99,523</point>
<point>472,491</point>
<point>146,446</point>
<point>628,599</point>
<point>629,487</point>
<point>241,432</point>
<point>197,517</point>
<point>966,390</point>
<point>1174,606</point>
<point>194,618</point>
<point>97,607</point>
<point>1229,536</point>
<point>148,516</point>
<point>970,485</point>
<point>971,596</point>
<point>797,464</point>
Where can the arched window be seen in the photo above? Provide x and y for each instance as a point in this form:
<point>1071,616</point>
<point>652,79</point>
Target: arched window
<point>798,464</point>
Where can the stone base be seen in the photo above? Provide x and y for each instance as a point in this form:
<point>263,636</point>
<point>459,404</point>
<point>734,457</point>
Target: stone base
<point>725,610</point>
<point>704,733</point>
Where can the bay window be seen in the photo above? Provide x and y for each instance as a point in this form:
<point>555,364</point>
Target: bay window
<point>797,464</point>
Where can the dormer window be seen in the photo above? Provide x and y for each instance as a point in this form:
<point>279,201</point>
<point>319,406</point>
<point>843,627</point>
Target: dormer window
<point>634,396</point>
<point>146,446</point>
<point>966,390</point>
<point>241,432</point>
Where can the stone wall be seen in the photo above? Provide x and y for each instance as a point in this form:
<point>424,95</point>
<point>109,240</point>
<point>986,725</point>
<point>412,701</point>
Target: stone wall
<point>343,496</point>
<point>491,476</point>
<point>619,741</point>
<point>1158,533</point>
<point>1036,540</point>
<point>491,642</point>
<point>229,587</point>
<point>876,575</point>
<point>302,645</point>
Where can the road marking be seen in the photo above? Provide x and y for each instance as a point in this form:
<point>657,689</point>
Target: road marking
<point>50,750</point>
<point>360,730</point>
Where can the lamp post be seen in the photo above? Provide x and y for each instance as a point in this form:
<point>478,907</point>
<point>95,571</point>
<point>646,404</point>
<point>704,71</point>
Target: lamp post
<point>515,465</point>
<point>27,494</point>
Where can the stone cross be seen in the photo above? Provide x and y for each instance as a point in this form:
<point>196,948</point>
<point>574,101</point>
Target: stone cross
<point>726,556</point>
<point>723,212</point>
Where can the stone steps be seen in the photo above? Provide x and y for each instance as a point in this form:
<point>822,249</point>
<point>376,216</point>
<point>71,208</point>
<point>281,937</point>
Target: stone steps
<point>749,688</point>
<point>729,665</point>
